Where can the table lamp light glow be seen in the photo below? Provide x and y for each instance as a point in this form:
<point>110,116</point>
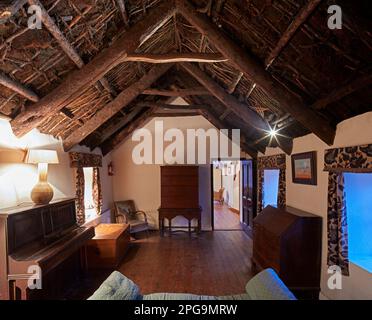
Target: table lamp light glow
<point>42,193</point>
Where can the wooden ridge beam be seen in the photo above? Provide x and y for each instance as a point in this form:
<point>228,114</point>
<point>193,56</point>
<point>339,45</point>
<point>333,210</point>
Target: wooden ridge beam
<point>18,88</point>
<point>343,91</point>
<point>89,74</point>
<point>113,142</point>
<point>176,57</point>
<point>251,67</point>
<point>113,107</point>
<point>286,37</point>
<point>171,106</point>
<point>199,91</point>
<point>173,114</point>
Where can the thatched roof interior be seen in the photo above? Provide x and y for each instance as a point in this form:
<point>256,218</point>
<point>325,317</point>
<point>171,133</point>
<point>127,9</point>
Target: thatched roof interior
<point>315,61</point>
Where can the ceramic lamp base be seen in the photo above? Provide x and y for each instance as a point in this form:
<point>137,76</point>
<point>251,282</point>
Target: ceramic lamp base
<point>42,193</point>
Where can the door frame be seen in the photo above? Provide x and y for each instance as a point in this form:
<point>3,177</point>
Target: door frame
<point>212,190</point>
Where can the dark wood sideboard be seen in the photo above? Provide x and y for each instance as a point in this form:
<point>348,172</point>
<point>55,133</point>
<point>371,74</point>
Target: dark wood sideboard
<point>179,197</point>
<point>290,241</point>
<point>46,236</point>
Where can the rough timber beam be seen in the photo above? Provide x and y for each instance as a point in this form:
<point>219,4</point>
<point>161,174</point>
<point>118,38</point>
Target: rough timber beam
<point>57,34</point>
<point>344,91</point>
<point>18,88</point>
<point>241,110</point>
<point>81,79</point>
<point>124,134</point>
<point>248,64</point>
<point>199,91</point>
<point>115,128</point>
<point>207,114</point>
<point>123,11</point>
<point>121,101</point>
<point>298,21</point>
<point>9,8</point>
<point>176,57</point>
<point>63,42</point>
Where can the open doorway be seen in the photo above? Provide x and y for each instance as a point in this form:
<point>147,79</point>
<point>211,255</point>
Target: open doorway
<point>226,179</point>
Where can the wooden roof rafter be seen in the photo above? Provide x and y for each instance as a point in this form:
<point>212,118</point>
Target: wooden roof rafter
<point>249,116</point>
<point>255,71</point>
<point>93,71</point>
<point>121,101</point>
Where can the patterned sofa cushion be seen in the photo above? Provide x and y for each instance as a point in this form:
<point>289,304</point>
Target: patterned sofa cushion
<point>267,286</point>
<point>176,296</point>
<point>117,287</point>
<point>264,286</point>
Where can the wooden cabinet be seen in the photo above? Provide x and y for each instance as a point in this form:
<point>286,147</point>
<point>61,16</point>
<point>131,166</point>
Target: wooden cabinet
<point>108,247</point>
<point>179,195</point>
<point>290,241</point>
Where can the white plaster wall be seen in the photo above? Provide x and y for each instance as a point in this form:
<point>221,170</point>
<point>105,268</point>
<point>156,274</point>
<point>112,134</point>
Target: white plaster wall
<point>17,180</point>
<point>355,131</point>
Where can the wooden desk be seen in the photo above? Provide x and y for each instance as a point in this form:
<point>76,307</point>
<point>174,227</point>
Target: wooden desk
<point>188,213</point>
<point>108,247</point>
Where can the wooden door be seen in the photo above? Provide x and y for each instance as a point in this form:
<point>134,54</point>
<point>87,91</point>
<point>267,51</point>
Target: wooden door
<point>249,192</point>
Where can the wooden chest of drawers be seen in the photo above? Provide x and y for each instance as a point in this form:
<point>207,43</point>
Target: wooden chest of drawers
<point>108,247</point>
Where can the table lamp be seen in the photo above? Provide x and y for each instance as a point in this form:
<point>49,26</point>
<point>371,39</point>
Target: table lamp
<point>42,193</point>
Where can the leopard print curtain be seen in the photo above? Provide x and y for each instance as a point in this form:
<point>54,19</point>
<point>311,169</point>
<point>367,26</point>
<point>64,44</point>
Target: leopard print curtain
<point>80,187</point>
<point>260,192</point>
<point>97,191</point>
<point>337,223</point>
<point>281,189</point>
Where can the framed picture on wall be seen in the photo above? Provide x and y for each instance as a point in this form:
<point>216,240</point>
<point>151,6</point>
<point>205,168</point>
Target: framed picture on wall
<point>304,168</point>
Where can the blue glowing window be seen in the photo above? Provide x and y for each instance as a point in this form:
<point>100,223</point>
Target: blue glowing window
<point>270,188</point>
<point>358,188</point>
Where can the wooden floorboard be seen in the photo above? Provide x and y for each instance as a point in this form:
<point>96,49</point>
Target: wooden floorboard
<point>214,263</point>
<point>225,219</point>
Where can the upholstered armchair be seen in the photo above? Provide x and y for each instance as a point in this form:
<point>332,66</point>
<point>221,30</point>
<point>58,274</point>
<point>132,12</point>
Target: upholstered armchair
<point>126,212</point>
<point>218,195</point>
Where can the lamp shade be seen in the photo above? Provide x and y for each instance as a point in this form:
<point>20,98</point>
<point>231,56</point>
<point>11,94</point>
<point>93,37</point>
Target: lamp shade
<point>42,156</point>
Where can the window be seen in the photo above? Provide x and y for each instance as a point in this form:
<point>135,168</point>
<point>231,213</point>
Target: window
<point>90,210</point>
<point>270,188</point>
<point>358,188</point>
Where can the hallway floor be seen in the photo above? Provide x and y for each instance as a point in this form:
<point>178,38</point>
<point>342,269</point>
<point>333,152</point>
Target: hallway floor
<point>225,219</point>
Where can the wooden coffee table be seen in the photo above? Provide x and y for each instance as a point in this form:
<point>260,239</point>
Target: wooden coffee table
<point>108,247</point>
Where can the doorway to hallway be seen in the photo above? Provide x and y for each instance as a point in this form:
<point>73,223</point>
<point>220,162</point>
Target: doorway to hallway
<point>226,184</point>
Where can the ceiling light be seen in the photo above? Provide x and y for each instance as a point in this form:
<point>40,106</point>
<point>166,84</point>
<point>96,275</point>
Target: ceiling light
<point>273,132</point>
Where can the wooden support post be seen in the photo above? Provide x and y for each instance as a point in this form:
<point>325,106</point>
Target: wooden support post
<point>18,88</point>
<point>81,79</point>
<point>248,64</point>
<point>121,101</point>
